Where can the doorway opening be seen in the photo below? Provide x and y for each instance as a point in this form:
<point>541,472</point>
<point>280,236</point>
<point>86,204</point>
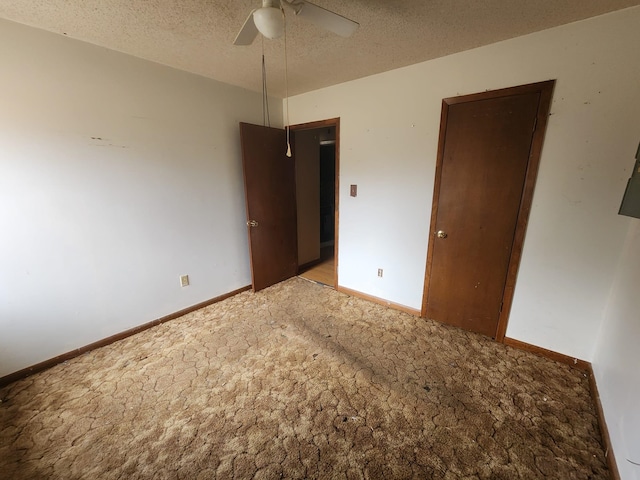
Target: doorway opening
<point>316,159</point>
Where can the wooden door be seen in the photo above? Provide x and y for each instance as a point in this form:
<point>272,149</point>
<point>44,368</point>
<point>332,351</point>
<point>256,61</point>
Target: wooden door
<point>269,185</point>
<point>487,163</point>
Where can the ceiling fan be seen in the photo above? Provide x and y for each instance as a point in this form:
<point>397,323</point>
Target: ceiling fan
<point>269,20</point>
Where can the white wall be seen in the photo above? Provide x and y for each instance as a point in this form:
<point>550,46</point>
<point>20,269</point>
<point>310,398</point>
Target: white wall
<point>617,358</point>
<point>389,135</point>
<point>117,175</point>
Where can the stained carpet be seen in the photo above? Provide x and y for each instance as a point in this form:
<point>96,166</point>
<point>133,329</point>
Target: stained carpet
<point>300,381</point>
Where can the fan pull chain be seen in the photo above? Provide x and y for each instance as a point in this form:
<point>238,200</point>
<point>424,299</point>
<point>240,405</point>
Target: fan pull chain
<point>286,84</point>
<point>266,119</point>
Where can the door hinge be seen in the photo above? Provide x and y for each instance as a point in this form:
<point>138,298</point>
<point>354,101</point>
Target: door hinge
<point>535,124</point>
<point>501,305</point>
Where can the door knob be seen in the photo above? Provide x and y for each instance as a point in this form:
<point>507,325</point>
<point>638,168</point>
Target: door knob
<point>441,234</point>
<point>252,223</point>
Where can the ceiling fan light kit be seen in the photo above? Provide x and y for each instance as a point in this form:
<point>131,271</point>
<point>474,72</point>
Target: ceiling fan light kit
<point>269,20</point>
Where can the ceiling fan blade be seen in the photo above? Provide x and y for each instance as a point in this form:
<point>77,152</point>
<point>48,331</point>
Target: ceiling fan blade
<point>248,32</point>
<point>324,18</point>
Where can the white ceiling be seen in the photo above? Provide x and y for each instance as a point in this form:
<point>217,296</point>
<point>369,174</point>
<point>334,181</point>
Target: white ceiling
<point>197,35</point>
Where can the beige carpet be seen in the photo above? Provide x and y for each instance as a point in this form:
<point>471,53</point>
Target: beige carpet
<point>299,381</point>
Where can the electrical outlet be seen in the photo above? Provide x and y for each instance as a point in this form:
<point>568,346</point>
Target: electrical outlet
<point>380,272</point>
<point>184,280</point>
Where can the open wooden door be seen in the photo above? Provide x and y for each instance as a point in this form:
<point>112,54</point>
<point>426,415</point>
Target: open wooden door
<point>269,185</point>
<point>487,163</point>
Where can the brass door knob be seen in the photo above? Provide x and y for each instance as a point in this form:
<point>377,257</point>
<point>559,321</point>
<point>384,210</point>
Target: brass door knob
<point>441,234</point>
<point>252,223</point>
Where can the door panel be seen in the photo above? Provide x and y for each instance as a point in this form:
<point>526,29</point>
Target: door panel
<point>269,182</point>
<point>484,160</point>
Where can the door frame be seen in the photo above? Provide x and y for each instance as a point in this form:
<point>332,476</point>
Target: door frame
<point>331,122</point>
<point>545,89</point>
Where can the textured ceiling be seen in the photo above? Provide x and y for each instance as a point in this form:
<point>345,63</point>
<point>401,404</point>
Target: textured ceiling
<point>197,35</point>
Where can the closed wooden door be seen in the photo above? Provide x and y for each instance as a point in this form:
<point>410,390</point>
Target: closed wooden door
<point>269,183</point>
<point>484,181</point>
